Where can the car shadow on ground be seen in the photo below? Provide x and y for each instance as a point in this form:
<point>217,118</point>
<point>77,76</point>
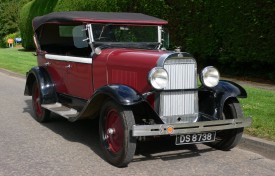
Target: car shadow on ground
<point>82,131</point>
<point>86,132</point>
<point>165,149</point>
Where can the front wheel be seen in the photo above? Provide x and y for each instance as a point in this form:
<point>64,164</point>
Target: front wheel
<point>228,139</point>
<point>115,127</point>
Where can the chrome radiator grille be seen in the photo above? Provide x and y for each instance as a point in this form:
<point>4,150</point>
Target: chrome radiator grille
<point>179,103</point>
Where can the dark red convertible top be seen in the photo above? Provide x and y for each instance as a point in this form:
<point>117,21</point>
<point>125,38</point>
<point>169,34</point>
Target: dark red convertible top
<point>96,17</point>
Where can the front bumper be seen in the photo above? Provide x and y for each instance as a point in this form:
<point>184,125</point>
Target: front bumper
<point>187,128</point>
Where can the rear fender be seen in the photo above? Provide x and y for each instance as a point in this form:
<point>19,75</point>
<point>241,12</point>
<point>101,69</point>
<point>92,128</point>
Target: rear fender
<point>47,88</point>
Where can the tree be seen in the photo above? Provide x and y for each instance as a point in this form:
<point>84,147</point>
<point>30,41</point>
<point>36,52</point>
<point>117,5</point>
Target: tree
<point>9,17</point>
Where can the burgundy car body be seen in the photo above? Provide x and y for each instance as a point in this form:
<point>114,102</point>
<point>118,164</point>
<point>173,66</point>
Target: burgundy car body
<point>112,79</point>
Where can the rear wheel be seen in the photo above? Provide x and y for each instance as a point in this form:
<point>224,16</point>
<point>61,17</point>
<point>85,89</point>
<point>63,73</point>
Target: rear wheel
<point>40,114</point>
<point>115,127</point>
<point>228,139</point>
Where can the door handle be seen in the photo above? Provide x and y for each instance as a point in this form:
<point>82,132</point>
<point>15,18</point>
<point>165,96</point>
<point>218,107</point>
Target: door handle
<point>47,63</point>
<point>68,66</point>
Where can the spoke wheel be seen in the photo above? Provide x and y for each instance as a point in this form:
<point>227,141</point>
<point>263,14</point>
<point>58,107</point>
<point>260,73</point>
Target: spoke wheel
<point>40,114</point>
<point>228,139</point>
<point>115,126</point>
<point>114,132</point>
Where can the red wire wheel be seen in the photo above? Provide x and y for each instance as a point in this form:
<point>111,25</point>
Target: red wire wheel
<point>114,132</point>
<point>40,114</point>
<point>115,126</point>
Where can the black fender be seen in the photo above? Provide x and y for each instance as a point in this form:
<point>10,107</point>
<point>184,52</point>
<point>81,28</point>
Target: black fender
<point>121,94</point>
<point>211,100</point>
<point>47,87</point>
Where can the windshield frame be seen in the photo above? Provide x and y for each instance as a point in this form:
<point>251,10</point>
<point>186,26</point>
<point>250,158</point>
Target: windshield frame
<point>94,43</point>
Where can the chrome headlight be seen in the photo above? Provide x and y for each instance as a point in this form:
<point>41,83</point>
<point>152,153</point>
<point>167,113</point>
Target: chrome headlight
<point>210,76</point>
<point>158,78</point>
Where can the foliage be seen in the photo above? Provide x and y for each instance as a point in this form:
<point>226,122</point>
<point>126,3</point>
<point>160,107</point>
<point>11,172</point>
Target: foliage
<point>28,12</point>
<point>232,35</point>
<point>77,5</point>
<point>9,18</point>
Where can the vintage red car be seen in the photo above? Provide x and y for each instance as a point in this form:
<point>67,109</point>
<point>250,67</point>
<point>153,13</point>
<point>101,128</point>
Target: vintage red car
<point>113,66</point>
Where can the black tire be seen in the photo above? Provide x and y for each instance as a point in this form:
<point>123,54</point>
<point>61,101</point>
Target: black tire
<point>115,130</point>
<point>228,139</point>
<point>40,114</point>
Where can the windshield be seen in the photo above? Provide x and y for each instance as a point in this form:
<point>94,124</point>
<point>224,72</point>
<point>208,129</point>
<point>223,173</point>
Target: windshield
<point>119,34</point>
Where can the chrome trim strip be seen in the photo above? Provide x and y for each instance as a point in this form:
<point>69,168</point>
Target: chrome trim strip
<point>186,128</point>
<point>69,58</point>
<point>178,90</point>
<point>159,34</point>
<point>163,57</point>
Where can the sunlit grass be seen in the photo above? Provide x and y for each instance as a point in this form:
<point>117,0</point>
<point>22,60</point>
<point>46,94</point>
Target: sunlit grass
<point>16,60</point>
<point>260,105</point>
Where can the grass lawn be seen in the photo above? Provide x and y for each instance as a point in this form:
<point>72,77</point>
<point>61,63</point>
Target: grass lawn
<point>17,60</point>
<point>259,104</point>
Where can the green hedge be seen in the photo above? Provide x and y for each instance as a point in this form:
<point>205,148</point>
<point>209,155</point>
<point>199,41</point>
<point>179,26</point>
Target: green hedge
<point>28,12</point>
<point>81,5</point>
<point>26,27</point>
<point>233,35</point>
<point>41,7</point>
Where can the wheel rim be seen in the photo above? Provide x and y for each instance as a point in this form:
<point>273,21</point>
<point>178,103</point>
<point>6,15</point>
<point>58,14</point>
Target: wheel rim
<point>36,101</point>
<point>114,131</point>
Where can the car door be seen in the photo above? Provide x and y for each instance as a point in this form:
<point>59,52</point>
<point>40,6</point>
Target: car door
<point>78,66</point>
<point>78,80</point>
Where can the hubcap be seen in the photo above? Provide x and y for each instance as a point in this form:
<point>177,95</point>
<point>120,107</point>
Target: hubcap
<point>110,131</point>
<point>114,131</point>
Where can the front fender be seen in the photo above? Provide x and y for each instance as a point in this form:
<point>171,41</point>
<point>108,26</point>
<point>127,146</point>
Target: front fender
<point>231,88</point>
<point>47,88</point>
<point>211,100</point>
<point>122,94</point>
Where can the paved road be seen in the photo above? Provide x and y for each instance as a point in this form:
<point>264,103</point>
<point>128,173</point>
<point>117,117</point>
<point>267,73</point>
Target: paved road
<point>64,148</point>
<point>259,85</point>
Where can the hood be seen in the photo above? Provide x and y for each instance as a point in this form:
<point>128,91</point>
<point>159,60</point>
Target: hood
<point>134,58</point>
<point>128,66</point>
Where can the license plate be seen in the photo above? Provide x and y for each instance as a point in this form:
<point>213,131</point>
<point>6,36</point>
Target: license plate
<point>195,138</point>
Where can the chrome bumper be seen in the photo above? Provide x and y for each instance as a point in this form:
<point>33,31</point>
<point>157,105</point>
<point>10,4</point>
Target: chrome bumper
<point>185,128</point>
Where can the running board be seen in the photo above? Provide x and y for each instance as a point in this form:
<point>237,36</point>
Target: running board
<point>59,109</point>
